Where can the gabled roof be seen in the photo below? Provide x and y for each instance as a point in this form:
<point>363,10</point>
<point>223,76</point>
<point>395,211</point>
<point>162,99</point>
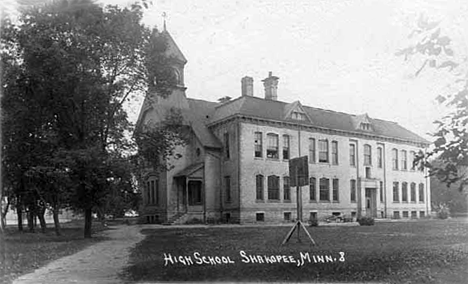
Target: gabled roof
<point>274,110</point>
<point>294,106</point>
<point>189,170</point>
<point>197,116</point>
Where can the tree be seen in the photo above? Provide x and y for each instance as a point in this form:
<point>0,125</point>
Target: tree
<point>80,63</point>
<point>451,138</point>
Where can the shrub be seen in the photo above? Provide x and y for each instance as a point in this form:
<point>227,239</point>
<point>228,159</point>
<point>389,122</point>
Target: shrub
<point>313,222</point>
<point>442,210</point>
<point>366,221</point>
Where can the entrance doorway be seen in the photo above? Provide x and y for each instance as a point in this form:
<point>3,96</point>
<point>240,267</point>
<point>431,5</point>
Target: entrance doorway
<point>371,209</point>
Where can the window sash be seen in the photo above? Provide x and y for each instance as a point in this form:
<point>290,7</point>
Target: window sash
<point>367,155</point>
<point>413,192</point>
<point>311,150</point>
<point>335,152</point>
<point>395,159</point>
<point>259,187</point>
<point>273,188</point>
<point>258,144</point>
<point>272,148</point>
<point>352,154</point>
<point>312,189</point>
<point>336,189</point>
<point>379,157</point>
<point>353,190</point>
<point>404,192</point>
<point>396,196</point>
<point>324,189</point>
<point>421,192</point>
<point>403,160</point>
<point>285,147</point>
<point>286,189</point>
<point>323,151</point>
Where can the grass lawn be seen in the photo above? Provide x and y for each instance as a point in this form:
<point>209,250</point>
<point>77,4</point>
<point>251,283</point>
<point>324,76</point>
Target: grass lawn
<point>426,251</point>
<point>21,253</point>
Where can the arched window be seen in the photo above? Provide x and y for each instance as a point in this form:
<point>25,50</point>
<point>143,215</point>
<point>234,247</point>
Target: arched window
<point>313,189</point>
<point>324,189</point>
<point>413,192</point>
<point>286,189</point>
<point>273,188</point>
<point>404,192</point>
<point>421,192</point>
<point>259,187</point>
<point>404,165</point>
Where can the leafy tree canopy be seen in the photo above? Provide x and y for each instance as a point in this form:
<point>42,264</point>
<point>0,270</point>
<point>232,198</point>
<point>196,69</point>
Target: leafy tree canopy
<point>451,138</point>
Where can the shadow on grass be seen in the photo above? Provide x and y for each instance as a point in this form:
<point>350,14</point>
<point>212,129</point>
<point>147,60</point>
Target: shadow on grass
<point>22,252</point>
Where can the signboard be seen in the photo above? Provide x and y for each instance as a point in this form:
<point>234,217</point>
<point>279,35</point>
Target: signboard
<point>299,168</point>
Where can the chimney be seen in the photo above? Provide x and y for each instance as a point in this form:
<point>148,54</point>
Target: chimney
<point>271,87</point>
<point>247,86</point>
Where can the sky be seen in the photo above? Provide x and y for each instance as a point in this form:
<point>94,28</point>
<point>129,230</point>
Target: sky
<point>337,55</point>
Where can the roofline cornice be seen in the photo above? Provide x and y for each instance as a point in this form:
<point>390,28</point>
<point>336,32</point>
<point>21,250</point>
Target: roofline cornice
<point>320,129</point>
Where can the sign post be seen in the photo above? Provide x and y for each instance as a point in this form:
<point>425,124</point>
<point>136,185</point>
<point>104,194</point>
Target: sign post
<point>299,174</point>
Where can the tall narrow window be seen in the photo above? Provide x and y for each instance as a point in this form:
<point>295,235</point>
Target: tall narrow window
<point>324,189</point>
<point>286,189</point>
<point>323,151</point>
<point>421,192</point>
<point>258,145</point>
<point>396,195</point>
<point>272,148</point>
<point>153,197</point>
<point>352,154</point>
<point>311,150</point>
<point>413,192</point>
<point>227,183</point>
<point>336,189</point>
<point>404,165</point>
<point>259,187</point>
<point>148,193</point>
<point>226,145</point>
<point>379,157</point>
<point>367,155</point>
<point>353,190</point>
<point>335,152</point>
<point>312,189</point>
<point>285,147</point>
<point>404,192</point>
<point>395,159</point>
<point>412,155</point>
<point>273,187</point>
<point>381,192</point>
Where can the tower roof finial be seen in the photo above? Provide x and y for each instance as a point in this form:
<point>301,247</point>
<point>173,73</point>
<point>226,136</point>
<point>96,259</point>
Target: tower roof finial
<point>164,15</point>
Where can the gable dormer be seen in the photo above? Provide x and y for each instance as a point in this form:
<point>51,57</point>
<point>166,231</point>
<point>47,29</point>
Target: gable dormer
<point>295,111</point>
<point>362,122</point>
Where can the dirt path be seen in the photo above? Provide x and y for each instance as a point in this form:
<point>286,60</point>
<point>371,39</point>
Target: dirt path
<point>99,263</point>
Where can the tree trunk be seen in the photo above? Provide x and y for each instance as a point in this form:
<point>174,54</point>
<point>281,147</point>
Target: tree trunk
<point>19,213</point>
<point>31,217</point>
<point>88,222</point>
<point>40,215</point>
<point>58,231</point>
<point>4,211</point>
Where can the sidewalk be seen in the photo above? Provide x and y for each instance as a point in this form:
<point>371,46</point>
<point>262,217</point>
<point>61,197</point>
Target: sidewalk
<point>99,263</point>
